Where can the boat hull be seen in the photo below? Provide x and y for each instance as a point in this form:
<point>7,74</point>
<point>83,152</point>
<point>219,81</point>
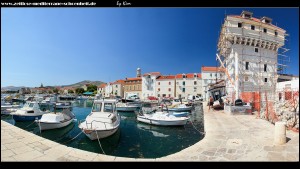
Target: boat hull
<point>180,114</point>
<point>126,109</point>
<point>162,122</point>
<point>178,109</point>
<point>26,118</point>
<point>91,134</point>
<point>49,126</point>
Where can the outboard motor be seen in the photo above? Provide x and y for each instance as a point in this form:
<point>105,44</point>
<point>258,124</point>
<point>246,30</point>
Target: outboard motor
<point>238,102</point>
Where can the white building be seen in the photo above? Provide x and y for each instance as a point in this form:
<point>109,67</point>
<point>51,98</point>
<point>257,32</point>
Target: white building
<point>118,88</point>
<point>248,47</point>
<point>149,84</point>
<point>109,90</point>
<point>165,86</point>
<point>209,76</point>
<point>188,84</point>
<point>101,89</point>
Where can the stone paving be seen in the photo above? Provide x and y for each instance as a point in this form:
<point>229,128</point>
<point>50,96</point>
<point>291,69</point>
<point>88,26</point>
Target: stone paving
<point>227,138</point>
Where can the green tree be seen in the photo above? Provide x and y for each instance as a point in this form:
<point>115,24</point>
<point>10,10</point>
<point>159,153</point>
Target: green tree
<point>79,90</point>
<point>55,90</point>
<point>70,91</point>
<point>91,88</point>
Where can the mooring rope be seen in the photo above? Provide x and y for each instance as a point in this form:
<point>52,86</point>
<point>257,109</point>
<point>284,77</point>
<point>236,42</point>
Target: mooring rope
<point>73,138</point>
<point>99,142</point>
<point>196,128</point>
<point>30,124</point>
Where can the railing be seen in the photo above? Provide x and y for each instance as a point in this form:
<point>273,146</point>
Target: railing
<point>91,123</point>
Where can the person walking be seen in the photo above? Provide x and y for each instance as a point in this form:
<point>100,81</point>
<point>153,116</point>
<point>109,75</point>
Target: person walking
<point>211,102</point>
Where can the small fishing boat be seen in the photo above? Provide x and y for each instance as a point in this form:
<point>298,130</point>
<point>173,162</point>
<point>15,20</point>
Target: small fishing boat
<point>162,119</point>
<point>126,107</point>
<point>103,121</point>
<point>29,112</point>
<point>55,120</point>
<point>178,108</point>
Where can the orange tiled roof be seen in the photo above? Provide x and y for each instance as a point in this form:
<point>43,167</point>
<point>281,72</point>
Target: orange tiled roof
<point>102,85</point>
<point>118,82</point>
<point>215,69</point>
<point>166,77</point>
<point>189,75</point>
<point>152,73</point>
<point>255,20</point>
<point>135,78</point>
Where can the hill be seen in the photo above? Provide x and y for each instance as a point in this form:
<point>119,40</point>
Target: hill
<point>80,84</point>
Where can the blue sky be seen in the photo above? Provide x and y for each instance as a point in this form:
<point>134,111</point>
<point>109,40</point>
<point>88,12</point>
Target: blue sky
<point>61,46</point>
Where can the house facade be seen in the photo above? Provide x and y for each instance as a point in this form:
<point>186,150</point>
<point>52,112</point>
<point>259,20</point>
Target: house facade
<point>149,84</point>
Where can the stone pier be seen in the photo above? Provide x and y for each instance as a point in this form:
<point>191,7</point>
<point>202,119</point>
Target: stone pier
<point>227,138</point>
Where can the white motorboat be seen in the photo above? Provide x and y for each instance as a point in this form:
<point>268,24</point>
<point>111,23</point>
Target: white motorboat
<point>103,121</point>
<point>63,105</point>
<point>29,112</point>
<point>126,107</point>
<point>162,118</point>
<point>55,120</point>
<point>178,108</point>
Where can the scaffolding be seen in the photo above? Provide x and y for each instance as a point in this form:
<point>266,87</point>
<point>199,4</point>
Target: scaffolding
<point>256,90</point>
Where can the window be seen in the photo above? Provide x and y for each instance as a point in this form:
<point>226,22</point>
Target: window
<point>108,107</point>
<point>158,89</point>
<point>246,79</point>
<point>276,33</point>
<point>179,96</point>
<point>158,95</point>
<point>169,89</point>
<point>116,85</point>
<point>158,83</point>
<point>265,30</point>
<point>195,75</point>
<point>195,89</point>
<point>266,79</point>
<point>195,82</point>
<point>215,75</point>
<point>169,95</point>
<point>239,25</point>
<point>252,27</point>
<point>183,83</point>
<point>97,107</point>
<point>265,67</point>
<point>211,75</point>
<point>169,83</point>
<point>256,50</point>
<point>152,80</point>
<point>247,65</point>
<point>183,76</point>
<point>183,89</point>
<point>164,95</point>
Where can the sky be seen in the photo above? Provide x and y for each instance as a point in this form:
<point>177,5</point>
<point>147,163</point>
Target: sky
<point>62,46</point>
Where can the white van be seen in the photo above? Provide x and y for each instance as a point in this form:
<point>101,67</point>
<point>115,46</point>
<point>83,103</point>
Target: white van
<point>195,98</point>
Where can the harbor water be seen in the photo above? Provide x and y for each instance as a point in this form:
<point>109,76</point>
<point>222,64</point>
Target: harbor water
<point>133,139</point>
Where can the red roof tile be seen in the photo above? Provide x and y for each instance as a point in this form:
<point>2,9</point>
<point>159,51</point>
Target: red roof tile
<point>102,85</point>
<point>256,20</point>
<point>118,82</point>
<point>166,77</point>
<point>152,73</point>
<point>189,75</point>
<point>207,68</point>
<point>135,78</point>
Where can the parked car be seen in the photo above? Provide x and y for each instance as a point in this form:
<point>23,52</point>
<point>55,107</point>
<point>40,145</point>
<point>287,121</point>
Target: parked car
<point>195,98</point>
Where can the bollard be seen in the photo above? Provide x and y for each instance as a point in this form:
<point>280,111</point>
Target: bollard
<point>280,133</point>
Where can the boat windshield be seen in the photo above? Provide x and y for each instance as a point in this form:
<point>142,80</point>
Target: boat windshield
<point>97,107</point>
<point>108,107</point>
<point>31,104</point>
